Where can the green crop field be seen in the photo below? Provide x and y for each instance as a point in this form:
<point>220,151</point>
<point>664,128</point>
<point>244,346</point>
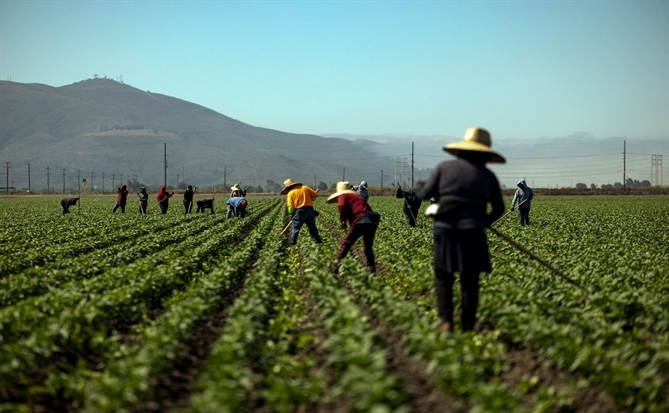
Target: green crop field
<point>103,312</point>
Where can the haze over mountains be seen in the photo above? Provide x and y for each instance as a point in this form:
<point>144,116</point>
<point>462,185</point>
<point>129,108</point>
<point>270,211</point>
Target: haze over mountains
<point>101,126</point>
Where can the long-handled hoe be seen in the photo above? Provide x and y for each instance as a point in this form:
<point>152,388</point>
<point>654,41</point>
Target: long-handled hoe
<point>532,255</point>
<point>286,228</point>
<point>409,205</point>
<point>508,212</point>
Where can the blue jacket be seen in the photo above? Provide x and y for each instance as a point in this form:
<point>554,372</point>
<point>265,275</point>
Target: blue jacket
<point>236,204</point>
<point>523,196</point>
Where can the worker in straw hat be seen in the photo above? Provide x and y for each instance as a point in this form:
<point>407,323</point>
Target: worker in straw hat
<point>300,202</point>
<point>355,210</point>
<point>463,188</point>
<point>236,190</point>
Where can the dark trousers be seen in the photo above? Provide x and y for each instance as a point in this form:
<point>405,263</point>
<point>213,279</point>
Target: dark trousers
<point>142,207</point>
<point>119,205</point>
<point>367,232</point>
<point>524,216</point>
<point>469,283</point>
<point>304,216</point>
<point>410,217</point>
<point>465,252</point>
<point>163,207</point>
<point>188,205</point>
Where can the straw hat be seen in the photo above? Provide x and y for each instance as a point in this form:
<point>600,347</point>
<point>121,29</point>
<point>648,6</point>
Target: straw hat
<point>287,185</point>
<point>236,187</point>
<point>343,187</point>
<point>475,140</point>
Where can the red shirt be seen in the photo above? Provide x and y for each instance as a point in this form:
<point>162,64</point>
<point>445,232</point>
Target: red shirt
<point>351,207</point>
<point>122,195</point>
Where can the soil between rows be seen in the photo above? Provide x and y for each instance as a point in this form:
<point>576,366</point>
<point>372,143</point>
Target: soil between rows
<point>524,363</point>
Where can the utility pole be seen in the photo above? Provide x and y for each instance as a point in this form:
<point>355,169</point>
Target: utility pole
<point>624,153</point>
<point>165,152</point>
<point>381,178</point>
<point>412,164</point>
<point>47,180</point>
<point>315,183</point>
<point>344,176</point>
<point>63,181</point>
<point>79,186</point>
<point>103,182</point>
<point>225,176</point>
<point>92,177</point>
<point>28,177</point>
<point>113,180</point>
<point>7,184</point>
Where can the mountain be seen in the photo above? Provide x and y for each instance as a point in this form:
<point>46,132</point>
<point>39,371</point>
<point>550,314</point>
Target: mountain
<point>101,126</point>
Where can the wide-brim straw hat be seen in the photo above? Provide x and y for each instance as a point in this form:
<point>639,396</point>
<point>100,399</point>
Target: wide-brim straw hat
<point>287,185</point>
<point>236,187</point>
<point>475,140</point>
<point>343,187</point>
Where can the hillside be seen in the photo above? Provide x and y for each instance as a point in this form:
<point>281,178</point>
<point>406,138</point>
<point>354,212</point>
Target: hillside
<point>100,126</point>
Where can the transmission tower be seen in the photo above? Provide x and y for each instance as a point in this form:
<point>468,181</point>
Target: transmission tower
<point>656,170</point>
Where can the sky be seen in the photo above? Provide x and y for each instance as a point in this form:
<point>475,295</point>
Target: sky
<point>527,70</point>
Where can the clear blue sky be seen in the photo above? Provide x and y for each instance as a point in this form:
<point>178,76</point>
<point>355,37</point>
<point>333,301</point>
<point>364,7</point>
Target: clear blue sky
<point>523,69</point>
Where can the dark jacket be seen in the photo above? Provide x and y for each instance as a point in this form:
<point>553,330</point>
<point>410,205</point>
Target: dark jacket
<point>412,203</point>
<point>143,196</point>
<point>188,195</point>
<point>464,188</point>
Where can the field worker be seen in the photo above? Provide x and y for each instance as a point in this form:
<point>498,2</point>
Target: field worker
<point>523,197</point>
<point>355,210</point>
<point>66,203</point>
<point>121,198</point>
<point>188,199</point>
<point>300,202</point>
<point>163,198</point>
<point>362,190</point>
<point>236,207</point>
<point>143,200</point>
<point>411,204</point>
<point>236,190</point>
<point>463,188</point>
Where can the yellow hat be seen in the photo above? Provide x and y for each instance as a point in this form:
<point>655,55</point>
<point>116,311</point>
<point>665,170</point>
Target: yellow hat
<point>343,187</point>
<point>236,187</point>
<point>287,184</point>
<point>475,140</point>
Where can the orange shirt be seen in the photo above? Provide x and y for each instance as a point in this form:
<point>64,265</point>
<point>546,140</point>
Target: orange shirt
<point>301,196</point>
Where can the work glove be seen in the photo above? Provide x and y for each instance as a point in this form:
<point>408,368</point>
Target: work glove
<point>408,206</point>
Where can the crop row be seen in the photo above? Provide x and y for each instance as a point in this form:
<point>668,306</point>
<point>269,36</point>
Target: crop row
<point>79,320</point>
<point>118,329</point>
<point>615,338</point>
